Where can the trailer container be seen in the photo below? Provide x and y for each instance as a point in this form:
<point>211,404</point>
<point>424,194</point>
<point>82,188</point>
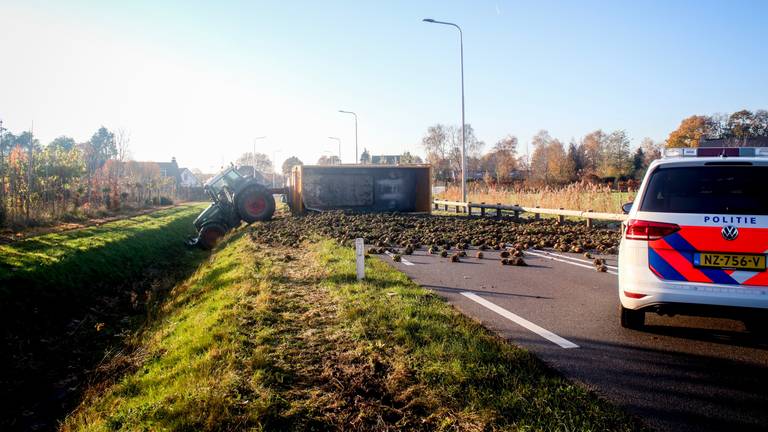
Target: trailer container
<point>365,188</point>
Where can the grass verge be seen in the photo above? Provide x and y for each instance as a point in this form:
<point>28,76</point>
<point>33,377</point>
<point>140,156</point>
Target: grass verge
<point>67,297</point>
<point>274,338</point>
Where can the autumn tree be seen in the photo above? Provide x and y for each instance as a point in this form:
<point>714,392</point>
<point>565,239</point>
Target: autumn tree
<point>501,161</point>
<point>549,162</point>
<point>690,132</point>
<point>593,149</point>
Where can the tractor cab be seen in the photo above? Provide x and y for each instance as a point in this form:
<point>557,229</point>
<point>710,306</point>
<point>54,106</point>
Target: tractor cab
<point>229,179</point>
<point>234,198</point>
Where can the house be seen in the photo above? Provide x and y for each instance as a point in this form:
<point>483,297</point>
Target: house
<point>170,169</point>
<point>163,179</point>
<point>189,179</point>
<point>385,159</point>
<point>734,142</point>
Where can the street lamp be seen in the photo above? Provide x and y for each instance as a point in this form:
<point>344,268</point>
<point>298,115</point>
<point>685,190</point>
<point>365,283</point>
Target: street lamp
<point>253,156</point>
<point>339,140</point>
<point>463,144</point>
<point>274,166</point>
<point>350,112</point>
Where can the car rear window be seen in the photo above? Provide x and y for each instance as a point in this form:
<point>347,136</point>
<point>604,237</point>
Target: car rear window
<point>708,189</point>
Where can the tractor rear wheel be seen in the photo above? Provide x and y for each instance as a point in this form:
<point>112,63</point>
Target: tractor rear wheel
<point>255,203</point>
<point>210,235</point>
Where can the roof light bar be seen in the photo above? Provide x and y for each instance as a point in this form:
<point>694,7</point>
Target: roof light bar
<point>679,152</point>
<point>716,151</point>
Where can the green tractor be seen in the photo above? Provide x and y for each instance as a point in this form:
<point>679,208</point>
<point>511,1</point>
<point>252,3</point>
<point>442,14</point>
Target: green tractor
<point>235,198</point>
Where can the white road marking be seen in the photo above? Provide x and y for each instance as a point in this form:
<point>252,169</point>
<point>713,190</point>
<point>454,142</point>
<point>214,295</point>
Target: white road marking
<point>592,267</point>
<point>402,260</point>
<point>546,334</point>
<point>574,258</point>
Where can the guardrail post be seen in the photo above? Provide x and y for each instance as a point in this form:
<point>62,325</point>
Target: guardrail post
<point>482,209</point>
<point>446,207</point>
<point>436,206</point>
<point>561,218</point>
<point>589,220</point>
<point>537,216</point>
<point>456,209</point>
<point>498,210</point>
<point>517,213</point>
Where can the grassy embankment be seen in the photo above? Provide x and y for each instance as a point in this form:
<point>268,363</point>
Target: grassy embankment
<point>270,338</point>
<point>66,297</point>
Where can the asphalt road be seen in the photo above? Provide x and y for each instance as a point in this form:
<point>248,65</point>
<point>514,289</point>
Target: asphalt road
<point>679,374</point>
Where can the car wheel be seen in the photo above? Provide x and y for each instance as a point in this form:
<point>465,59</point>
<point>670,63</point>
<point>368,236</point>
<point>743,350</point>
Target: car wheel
<point>632,319</point>
<point>255,203</point>
<point>210,235</point>
<point>758,326</point>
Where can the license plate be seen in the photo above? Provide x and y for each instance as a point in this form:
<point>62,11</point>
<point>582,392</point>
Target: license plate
<point>730,261</point>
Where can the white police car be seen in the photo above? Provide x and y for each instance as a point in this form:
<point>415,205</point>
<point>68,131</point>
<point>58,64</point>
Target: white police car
<point>696,238</point>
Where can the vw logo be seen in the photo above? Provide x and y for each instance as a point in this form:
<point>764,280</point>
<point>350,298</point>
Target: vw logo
<point>730,232</point>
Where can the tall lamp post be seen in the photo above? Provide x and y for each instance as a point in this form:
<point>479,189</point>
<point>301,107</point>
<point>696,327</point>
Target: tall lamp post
<point>350,112</point>
<point>274,165</point>
<point>253,156</point>
<point>463,143</point>
<point>339,141</point>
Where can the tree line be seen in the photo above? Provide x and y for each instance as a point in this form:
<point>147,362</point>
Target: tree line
<point>65,178</point>
<point>738,128</point>
<point>598,156</point>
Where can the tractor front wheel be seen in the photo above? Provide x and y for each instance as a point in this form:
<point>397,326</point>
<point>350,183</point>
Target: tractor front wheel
<point>255,204</point>
<point>210,235</point>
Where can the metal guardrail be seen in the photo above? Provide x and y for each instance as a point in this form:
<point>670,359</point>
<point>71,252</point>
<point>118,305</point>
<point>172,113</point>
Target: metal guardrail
<point>498,209</point>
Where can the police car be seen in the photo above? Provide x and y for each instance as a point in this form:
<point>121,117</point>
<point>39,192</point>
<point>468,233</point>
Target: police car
<point>696,238</point>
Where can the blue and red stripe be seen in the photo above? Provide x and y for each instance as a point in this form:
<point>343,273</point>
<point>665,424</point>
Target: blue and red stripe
<point>677,243</point>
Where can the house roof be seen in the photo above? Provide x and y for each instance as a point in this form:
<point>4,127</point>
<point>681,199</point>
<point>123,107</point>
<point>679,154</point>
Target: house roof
<point>734,142</point>
<point>385,159</point>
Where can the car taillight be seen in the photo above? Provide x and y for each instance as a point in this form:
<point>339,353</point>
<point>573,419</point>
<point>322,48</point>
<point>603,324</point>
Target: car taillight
<point>646,230</point>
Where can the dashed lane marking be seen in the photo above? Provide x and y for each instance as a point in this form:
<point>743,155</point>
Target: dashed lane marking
<point>574,258</point>
<point>546,334</point>
<point>402,260</point>
<point>546,256</point>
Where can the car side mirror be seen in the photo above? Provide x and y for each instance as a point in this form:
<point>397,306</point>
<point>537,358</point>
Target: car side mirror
<point>626,207</point>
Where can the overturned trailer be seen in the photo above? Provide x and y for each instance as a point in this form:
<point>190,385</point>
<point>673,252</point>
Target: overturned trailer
<point>364,188</point>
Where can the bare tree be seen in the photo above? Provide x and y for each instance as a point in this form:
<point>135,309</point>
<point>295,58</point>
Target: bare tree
<point>435,144</point>
<point>262,162</point>
<point>474,148</point>
<point>123,144</point>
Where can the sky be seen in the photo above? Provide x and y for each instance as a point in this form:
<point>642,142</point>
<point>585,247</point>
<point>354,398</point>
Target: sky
<point>200,80</point>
